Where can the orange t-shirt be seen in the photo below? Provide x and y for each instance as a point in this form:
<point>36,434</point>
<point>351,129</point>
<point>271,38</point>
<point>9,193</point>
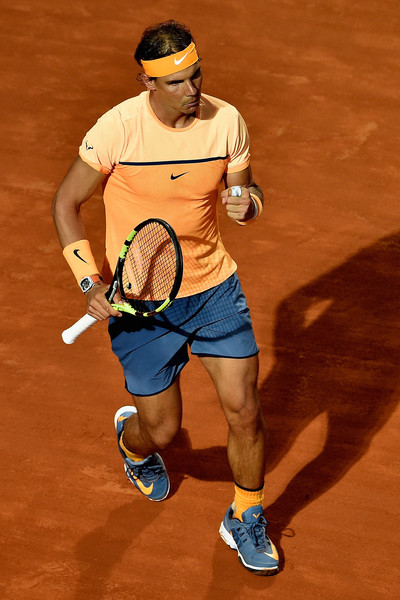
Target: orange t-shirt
<point>172,174</point>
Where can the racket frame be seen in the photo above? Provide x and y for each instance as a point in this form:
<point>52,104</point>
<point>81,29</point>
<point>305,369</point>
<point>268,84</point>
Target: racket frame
<point>117,281</point>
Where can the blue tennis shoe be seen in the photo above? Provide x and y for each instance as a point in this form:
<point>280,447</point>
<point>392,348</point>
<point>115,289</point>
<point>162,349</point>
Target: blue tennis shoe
<point>255,550</point>
<point>149,476</point>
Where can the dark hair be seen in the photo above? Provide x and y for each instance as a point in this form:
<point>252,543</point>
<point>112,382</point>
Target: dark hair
<point>162,40</point>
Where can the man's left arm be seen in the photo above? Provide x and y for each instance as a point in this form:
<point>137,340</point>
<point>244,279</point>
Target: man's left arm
<point>248,206</point>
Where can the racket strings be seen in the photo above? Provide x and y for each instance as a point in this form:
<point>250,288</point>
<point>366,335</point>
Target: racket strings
<point>150,266</point>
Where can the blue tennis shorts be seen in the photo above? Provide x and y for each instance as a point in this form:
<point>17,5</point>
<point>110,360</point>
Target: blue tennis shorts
<point>153,350</point>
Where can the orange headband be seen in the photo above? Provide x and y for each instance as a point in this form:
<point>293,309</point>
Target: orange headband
<point>172,63</point>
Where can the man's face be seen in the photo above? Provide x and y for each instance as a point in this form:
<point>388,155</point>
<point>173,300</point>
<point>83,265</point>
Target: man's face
<point>180,92</point>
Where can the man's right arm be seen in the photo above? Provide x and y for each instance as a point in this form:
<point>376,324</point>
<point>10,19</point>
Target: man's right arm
<point>78,185</point>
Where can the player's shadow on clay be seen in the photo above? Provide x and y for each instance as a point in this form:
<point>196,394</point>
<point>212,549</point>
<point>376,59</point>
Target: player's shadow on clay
<point>337,353</point>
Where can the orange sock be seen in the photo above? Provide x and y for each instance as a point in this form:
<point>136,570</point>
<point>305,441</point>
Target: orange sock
<point>244,499</point>
<point>129,454</point>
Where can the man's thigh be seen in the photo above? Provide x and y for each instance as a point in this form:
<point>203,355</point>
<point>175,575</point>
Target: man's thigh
<point>236,382</point>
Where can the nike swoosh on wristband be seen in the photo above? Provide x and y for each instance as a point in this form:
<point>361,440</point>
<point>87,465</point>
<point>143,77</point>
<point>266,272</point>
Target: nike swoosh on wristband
<point>76,252</point>
<point>178,62</point>
<point>173,177</point>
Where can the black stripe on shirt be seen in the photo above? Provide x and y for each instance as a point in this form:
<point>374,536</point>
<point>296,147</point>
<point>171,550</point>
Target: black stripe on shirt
<point>173,162</point>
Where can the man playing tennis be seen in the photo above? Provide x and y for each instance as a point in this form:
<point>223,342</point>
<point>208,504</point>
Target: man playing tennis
<point>168,153</point>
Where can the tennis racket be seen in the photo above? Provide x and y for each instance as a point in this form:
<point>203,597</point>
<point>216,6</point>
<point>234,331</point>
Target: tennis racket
<point>148,274</point>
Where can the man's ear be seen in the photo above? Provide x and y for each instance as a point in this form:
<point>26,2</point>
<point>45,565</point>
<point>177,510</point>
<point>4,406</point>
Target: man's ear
<point>148,82</point>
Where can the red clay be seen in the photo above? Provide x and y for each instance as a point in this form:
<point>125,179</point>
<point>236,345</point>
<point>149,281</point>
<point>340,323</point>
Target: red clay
<point>317,83</point>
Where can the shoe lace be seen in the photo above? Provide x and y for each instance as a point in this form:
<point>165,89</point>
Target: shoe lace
<point>257,533</point>
<point>150,470</point>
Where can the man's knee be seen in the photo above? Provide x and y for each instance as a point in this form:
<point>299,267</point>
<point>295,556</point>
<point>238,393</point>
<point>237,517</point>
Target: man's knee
<point>160,416</point>
<point>161,433</point>
<point>162,439</point>
<point>244,413</point>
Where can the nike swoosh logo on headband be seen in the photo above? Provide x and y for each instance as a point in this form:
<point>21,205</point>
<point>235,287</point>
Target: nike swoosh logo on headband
<point>178,62</point>
<point>76,252</point>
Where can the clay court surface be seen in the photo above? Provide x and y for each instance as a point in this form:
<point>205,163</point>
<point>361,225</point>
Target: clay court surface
<point>318,84</point>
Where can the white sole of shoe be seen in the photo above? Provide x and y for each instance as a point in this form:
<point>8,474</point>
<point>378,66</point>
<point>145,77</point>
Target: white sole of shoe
<point>228,539</point>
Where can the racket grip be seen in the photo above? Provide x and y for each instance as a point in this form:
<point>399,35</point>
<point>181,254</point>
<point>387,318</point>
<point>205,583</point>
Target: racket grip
<point>69,335</point>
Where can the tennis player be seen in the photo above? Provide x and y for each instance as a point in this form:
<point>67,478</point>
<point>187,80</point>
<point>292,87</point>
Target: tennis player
<point>174,152</point>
